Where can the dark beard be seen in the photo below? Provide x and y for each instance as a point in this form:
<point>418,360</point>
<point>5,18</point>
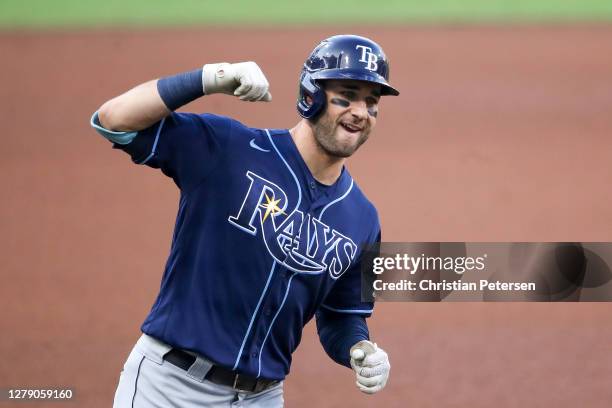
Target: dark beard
<point>323,130</point>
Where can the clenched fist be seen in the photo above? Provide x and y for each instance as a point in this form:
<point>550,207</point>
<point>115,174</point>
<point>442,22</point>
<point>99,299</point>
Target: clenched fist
<point>244,80</point>
<point>371,366</point>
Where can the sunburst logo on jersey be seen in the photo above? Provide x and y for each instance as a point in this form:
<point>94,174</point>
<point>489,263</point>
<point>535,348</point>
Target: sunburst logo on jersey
<point>271,207</point>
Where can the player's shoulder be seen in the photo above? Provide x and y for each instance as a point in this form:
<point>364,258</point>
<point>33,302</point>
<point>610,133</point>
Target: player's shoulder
<point>213,119</point>
<point>225,128</point>
<point>210,119</point>
<point>366,205</point>
<point>355,202</point>
<point>355,205</point>
<point>239,137</point>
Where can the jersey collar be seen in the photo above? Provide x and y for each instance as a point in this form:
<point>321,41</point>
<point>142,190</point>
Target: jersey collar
<point>316,191</point>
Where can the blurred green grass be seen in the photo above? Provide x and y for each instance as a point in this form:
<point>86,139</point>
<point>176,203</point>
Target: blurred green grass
<point>129,13</point>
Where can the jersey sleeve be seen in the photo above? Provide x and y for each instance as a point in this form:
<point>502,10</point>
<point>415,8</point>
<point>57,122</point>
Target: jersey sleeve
<point>338,332</point>
<point>345,296</point>
<point>184,146</point>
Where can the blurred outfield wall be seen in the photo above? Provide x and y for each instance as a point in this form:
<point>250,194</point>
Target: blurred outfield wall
<point>134,13</point>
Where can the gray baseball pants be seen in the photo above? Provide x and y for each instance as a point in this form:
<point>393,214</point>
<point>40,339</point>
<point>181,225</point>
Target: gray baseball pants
<point>148,381</point>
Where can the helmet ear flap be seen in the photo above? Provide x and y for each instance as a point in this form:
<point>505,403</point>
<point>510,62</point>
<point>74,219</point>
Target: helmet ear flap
<point>310,89</point>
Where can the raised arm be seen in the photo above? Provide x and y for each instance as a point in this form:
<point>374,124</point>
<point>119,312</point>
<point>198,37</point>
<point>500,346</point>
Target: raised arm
<point>148,103</point>
<point>134,110</point>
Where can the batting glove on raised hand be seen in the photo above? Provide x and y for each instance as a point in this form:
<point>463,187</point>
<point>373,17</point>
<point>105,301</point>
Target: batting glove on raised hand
<point>244,80</point>
<point>371,366</point>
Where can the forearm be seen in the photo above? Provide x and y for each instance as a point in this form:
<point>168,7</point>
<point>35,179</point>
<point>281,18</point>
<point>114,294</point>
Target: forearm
<point>136,109</point>
<point>338,332</point>
<point>148,103</point>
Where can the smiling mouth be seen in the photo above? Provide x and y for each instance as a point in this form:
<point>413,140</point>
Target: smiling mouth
<point>350,128</point>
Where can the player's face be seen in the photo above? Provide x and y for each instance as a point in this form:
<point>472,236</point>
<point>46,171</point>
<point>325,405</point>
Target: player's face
<point>349,117</point>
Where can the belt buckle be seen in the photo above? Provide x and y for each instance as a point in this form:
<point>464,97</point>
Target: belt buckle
<point>260,385</point>
<point>235,385</point>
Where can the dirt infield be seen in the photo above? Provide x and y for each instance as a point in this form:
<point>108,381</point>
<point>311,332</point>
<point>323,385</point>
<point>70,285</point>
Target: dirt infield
<point>500,134</point>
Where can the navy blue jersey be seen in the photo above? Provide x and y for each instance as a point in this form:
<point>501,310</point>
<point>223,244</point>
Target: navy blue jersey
<point>259,245</point>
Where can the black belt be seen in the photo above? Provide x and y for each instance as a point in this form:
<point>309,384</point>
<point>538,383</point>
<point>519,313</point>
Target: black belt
<point>220,375</point>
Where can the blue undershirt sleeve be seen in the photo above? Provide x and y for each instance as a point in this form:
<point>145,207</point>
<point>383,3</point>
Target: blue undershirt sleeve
<point>338,332</point>
<point>121,138</point>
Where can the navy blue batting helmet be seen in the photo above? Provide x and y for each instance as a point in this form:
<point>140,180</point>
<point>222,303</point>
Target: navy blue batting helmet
<point>341,57</point>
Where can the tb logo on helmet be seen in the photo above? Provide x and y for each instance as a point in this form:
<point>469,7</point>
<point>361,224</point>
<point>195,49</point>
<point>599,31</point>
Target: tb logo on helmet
<point>368,56</point>
<point>341,57</point>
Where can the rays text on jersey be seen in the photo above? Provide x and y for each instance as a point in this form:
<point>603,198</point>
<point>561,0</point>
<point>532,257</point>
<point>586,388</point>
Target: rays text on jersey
<point>301,242</point>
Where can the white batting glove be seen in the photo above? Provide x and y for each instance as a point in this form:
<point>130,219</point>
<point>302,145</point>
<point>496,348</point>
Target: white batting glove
<point>371,366</point>
<point>244,80</point>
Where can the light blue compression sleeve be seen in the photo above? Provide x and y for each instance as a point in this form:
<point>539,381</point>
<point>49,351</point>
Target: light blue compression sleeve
<point>121,138</point>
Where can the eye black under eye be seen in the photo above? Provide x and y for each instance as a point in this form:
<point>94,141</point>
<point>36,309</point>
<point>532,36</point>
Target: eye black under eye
<point>340,102</point>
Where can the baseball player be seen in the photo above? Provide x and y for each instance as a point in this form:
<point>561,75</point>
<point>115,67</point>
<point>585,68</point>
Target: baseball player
<point>268,234</point>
